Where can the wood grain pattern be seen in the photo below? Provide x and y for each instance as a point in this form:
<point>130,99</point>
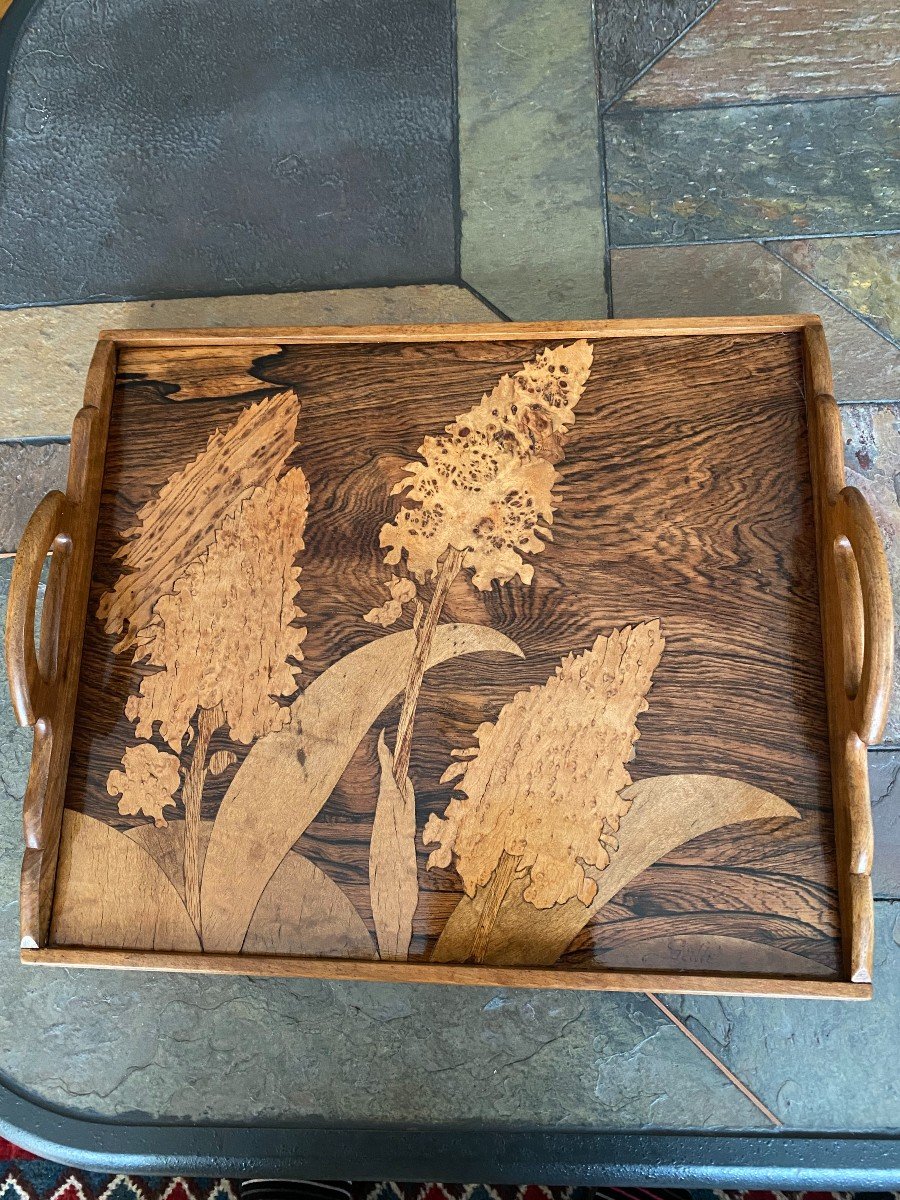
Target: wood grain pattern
<point>301,911</point>
<point>254,829</point>
<point>114,895</point>
<point>687,427</point>
<point>220,372</point>
<point>52,709</point>
<point>858,629</point>
<point>393,874</point>
<point>737,600</point>
<point>281,967</point>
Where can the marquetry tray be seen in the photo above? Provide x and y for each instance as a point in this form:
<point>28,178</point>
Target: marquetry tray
<point>472,654</point>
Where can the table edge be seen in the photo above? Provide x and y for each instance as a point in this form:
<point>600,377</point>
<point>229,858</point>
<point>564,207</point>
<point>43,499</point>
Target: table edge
<point>789,1161</point>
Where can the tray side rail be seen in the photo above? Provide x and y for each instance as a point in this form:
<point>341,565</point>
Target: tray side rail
<point>858,639</point>
<point>43,679</point>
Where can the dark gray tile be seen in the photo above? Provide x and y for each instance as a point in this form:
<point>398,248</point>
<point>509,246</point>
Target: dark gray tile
<point>532,219</point>
<point>631,35</point>
<point>227,146</point>
<point>753,171</point>
<point>818,1064</point>
<point>28,470</point>
<point>745,279</point>
<point>884,788</point>
<point>747,50</point>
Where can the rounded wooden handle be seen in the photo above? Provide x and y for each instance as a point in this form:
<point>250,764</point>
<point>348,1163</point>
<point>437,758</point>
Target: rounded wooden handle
<point>32,675</point>
<point>856,527</point>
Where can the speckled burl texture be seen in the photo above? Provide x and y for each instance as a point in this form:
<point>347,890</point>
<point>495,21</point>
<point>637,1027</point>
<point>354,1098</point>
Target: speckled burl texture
<point>752,171</point>
<point>884,788</point>
<point>631,35</point>
<point>155,148</point>
<point>862,272</point>
<point>532,224</point>
<point>746,279</point>
<point>170,1047</point>
<point>872,453</point>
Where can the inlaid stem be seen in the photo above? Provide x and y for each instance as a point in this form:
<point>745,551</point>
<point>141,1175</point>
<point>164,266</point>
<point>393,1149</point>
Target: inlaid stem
<point>450,567</point>
<point>208,721</point>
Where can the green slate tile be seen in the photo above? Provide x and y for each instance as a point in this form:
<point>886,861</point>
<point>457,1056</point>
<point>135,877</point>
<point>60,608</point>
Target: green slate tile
<point>630,36</point>
<point>532,225</point>
<point>820,1065</point>
<point>744,279</point>
<point>884,789</point>
<point>746,50</point>
<point>863,272</point>
<point>872,456</point>
<point>753,171</point>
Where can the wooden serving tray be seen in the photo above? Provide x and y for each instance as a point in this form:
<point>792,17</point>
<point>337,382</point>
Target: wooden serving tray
<point>350,635</point>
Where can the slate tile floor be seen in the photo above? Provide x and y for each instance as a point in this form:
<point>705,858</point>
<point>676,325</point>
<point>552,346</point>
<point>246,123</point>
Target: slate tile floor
<point>648,157</point>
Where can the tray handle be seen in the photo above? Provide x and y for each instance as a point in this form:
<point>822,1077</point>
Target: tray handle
<point>32,670</point>
<point>864,588</point>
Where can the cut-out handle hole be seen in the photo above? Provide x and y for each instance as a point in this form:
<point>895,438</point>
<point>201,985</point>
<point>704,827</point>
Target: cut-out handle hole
<point>853,623</point>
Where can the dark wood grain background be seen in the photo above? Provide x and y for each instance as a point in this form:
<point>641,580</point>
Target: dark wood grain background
<point>684,495</point>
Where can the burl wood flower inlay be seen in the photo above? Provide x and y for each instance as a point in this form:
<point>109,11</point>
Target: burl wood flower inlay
<point>319,600</point>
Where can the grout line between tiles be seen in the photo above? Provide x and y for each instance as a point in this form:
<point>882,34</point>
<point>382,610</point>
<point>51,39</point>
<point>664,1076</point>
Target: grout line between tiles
<point>456,152</point>
<point>661,54</point>
<point>256,291</point>
<point>484,300</point>
<point>758,238</point>
<point>831,296</point>
<point>633,110</point>
<point>601,151</point>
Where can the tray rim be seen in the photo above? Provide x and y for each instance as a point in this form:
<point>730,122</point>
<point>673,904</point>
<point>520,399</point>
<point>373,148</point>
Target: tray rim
<point>855,720</point>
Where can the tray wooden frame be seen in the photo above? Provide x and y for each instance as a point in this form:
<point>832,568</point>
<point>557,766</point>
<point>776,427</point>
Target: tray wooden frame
<point>857,625</point>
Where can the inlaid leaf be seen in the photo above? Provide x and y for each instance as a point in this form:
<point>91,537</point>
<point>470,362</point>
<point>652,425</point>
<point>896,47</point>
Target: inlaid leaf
<point>664,812</point>
<point>393,877</point>
<point>301,912</point>
<point>111,893</point>
<point>288,775</point>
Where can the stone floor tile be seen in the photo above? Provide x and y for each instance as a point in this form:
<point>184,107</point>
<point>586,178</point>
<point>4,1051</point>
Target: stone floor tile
<point>744,279</point>
<point>872,454</point>
<point>745,50</point>
<point>630,36</point>
<point>44,352</point>
<point>700,175</point>
<point>862,272</point>
<point>253,145</point>
<point>884,788</point>
<point>28,470</point>
<point>532,224</point>
<point>818,1064</point>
